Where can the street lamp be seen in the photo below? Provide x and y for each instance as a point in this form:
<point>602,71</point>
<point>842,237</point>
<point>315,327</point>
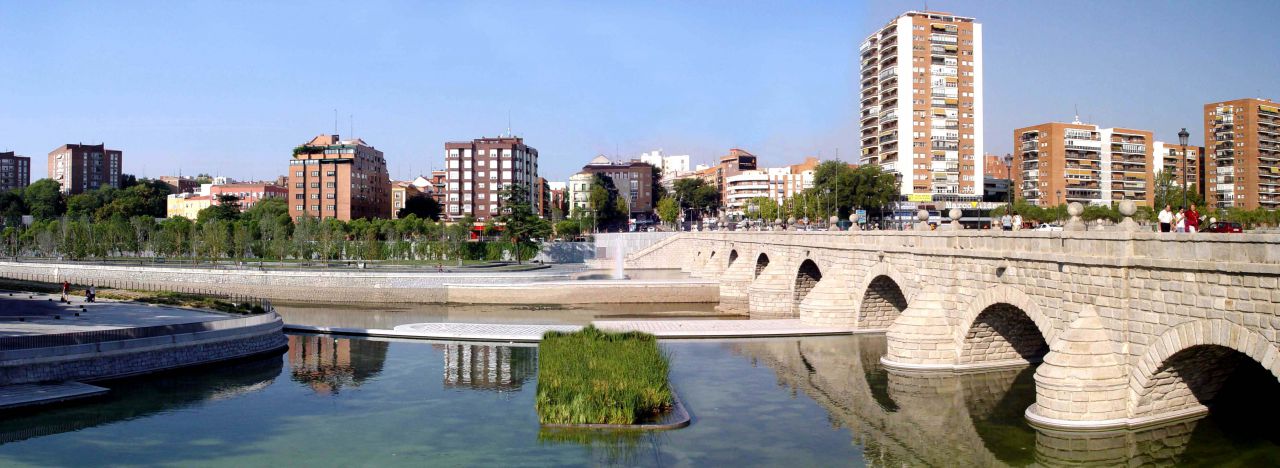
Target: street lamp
<point>1056,211</point>
<point>1182,140</point>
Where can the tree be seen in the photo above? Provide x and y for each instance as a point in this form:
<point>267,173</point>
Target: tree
<point>227,209</point>
<point>422,205</point>
<point>669,210</point>
<point>696,194</point>
<point>1170,192</point>
<point>568,229</point>
<point>44,199</point>
<point>12,207</point>
<point>656,188</point>
<point>520,223</point>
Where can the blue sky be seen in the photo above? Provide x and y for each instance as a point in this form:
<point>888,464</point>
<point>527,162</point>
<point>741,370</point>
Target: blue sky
<point>230,87</point>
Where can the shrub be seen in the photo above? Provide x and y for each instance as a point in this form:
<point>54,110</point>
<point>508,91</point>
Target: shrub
<point>596,377</point>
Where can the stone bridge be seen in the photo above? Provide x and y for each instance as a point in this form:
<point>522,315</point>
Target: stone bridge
<point>1132,328</point>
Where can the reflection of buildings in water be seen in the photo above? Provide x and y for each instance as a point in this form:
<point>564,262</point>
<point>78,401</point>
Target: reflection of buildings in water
<point>329,364</point>
<point>487,367</point>
<point>944,419</point>
<point>145,396</point>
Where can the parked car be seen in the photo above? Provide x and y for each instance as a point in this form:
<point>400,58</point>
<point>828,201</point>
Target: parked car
<point>1048,227</point>
<point>1224,227</point>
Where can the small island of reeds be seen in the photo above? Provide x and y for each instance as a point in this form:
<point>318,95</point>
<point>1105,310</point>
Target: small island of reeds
<point>596,377</point>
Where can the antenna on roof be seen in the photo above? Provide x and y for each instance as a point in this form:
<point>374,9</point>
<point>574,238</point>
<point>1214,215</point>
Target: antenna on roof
<point>509,134</point>
<point>1077,120</point>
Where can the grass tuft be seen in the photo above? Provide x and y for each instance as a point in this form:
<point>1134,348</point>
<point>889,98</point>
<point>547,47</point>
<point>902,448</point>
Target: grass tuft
<point>596,377</point>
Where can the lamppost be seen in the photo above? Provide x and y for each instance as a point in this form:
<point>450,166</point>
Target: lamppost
<point>1182,140</point>
<point>1056,211</point>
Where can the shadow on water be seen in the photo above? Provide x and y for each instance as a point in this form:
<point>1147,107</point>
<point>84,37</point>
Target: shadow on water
<point>142,397</point>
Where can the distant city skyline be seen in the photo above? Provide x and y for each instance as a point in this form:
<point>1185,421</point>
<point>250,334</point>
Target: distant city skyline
<point>229,91</point>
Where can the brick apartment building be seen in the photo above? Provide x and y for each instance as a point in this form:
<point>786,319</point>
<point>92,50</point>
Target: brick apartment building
<point>477,170</point>
<point>1242,154</point>
<point>182,184</point>
<point>15,171</point>
<point>249,193</point>
<point>78,167</point>
<point>339,179</point>
<point>922,104</point>
<point>1056,163</point>
<point>632,179</point>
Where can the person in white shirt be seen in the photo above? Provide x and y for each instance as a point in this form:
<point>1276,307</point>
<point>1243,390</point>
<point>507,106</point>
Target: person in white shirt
<point>1180,221</point>
<point>1166,219</point>
<point>1017,222</point>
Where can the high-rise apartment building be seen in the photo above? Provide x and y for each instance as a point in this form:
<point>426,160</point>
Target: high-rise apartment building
<point>1242,154</point>
<point>341,179</point>
<point>15,171</point>
<point>1056,163</point>
<point>1179,161</point>
<point>921,102</point>
<point>79,167</point>
<point>478,170</point>
<point>632,179</point>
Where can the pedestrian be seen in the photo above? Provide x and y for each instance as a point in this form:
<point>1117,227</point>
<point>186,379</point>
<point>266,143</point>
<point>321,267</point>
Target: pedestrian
<point>1166,219</point>
<point>92,294</point>
<point>66,289</point>
<point>1006,222</point>
<point>1017,221</point>
<point>1193,220</point>
<point>1180,221</point>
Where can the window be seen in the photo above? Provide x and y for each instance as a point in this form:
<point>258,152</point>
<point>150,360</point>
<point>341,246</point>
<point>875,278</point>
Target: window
<point>315,207</point>
<point>330,185</point>
<point>298,196</point>
<point>298,207</point>
<point>331,173</point>
<point>315,196</point>
<point>330,196</point>
<point>333,207</point>
<point>298,185</point>
<point>315,185</point>
<point>299,173</point>
<point>315,173</point>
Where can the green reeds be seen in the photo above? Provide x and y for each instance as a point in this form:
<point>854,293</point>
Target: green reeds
<point>596,377</point>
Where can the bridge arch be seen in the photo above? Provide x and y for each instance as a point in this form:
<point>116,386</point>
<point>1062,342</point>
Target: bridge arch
<point>885,294</point>
<point>807,276</point>
<point>1194,362</point>
<point>1003,324</point>
<point>762,262</point>
<point>733,255</point>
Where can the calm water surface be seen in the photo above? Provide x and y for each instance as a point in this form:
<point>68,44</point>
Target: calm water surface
<point>777,402</point>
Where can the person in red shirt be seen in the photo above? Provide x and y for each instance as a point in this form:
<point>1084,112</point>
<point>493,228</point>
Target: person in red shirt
<point>1193,219</point>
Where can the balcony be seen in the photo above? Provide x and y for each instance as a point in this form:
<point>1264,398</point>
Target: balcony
<point>943,38</point>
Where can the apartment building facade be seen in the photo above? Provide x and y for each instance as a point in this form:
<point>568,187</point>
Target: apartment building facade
<point>1242,154</point>
<point>78,167</point>
<point>1179,161</point>
<point>922,105</point>
<point>248,193</point>
<point>332,178</point>
<point>401,192</point>
<point>775,183</point>
<point>632,179</point>
<point>185,184</point>
<point>1056,163</point>
<point>15,171</point>
<point>476,171</point>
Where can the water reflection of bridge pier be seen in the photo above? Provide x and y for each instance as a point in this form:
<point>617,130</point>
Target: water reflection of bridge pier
<point>946,419</point>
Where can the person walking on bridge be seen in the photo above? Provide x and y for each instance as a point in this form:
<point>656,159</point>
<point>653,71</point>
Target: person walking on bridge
<point>66,290</point>
<point>1193,219</point>
<point>1166,218</point>
<point>1006,222</point>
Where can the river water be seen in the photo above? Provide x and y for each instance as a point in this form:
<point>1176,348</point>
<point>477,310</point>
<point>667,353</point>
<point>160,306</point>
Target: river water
<point>776,402</point>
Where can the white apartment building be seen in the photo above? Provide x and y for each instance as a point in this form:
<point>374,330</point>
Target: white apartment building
<point>776,183</point>
<point>579,192</point>
<point>671,165</point>
<point>921,99</point>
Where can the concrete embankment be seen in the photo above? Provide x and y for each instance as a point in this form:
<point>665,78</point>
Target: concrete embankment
<point>319,285</point>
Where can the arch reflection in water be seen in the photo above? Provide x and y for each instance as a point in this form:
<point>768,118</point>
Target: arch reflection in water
<point>976,419</point>
<point>328,364</point>
<point>146,396</point>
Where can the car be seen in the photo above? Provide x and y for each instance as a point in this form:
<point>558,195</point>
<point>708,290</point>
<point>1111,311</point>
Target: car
<point>1048,227</point>
<point>1224,227</point>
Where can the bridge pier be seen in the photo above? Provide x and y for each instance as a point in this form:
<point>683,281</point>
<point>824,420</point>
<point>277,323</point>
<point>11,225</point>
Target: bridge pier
<point>735,281</point>
<point>770,295</point>
<point>829,302</point>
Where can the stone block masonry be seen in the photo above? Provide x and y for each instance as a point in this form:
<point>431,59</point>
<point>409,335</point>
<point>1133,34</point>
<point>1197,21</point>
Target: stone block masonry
<point>1108,312</point>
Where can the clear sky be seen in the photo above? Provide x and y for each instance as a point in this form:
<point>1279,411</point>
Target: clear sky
<point>230,87</point>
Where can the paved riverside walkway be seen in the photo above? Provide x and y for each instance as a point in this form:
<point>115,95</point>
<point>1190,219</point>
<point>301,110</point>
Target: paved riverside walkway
<point>43,314</point>
<point>16,396</point>
<point>532,333</point>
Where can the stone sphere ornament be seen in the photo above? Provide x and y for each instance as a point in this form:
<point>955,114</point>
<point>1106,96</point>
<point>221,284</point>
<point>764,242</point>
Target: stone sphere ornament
<point>1075,209</point>
<point>1128,208</point>
<point>956,214</point>
<point>922,215</point>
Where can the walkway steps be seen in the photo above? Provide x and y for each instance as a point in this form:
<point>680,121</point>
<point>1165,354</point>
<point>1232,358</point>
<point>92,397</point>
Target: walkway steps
<point>528,333</point>
<point>23,395</point>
